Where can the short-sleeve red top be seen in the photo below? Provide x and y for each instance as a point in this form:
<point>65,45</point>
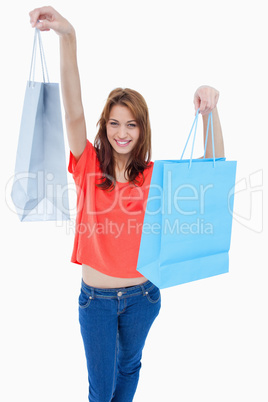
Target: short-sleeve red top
<point>108,223</point>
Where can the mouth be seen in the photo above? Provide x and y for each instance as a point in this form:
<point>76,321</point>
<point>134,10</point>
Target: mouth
<point>122,143</point>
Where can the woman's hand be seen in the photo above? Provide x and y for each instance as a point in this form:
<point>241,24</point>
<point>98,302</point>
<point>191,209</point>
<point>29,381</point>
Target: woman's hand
<point>46,18</point>
<point>206,99</point>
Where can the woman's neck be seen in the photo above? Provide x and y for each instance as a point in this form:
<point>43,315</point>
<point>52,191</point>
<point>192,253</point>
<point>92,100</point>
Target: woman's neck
<point>120,163</point>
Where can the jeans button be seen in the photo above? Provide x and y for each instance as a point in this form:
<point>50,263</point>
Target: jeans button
<point>119,294</point>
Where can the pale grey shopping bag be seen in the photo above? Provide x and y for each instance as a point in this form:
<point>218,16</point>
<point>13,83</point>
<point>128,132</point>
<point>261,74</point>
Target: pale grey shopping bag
<point>40,190</point>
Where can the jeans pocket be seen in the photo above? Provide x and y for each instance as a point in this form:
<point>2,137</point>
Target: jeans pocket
<point>153,294</point>
<point>84,299</point>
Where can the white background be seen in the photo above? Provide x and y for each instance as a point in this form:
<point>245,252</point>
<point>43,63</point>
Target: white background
<point>209,342</point>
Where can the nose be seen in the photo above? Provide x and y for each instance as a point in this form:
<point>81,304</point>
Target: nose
<point>122,132</point>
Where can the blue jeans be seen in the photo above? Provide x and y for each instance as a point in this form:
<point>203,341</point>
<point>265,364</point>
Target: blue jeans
<point>114,325</point>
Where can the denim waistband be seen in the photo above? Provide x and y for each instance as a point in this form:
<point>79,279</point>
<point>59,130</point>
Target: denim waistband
<point>115,292</point>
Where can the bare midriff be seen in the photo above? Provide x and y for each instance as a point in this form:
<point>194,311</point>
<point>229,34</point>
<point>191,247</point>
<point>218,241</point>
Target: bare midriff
<point>97,279</point>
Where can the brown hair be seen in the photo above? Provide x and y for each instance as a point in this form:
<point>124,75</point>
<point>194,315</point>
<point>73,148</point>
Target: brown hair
<point>141,153</point>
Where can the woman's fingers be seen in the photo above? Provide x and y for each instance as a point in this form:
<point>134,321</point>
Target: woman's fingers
<point>43,13</point>
<point>205,99</point>
<point>46,18</point>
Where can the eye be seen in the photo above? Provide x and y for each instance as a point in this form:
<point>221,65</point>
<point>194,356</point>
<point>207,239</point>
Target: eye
<point>132,125</point>
<point>113,123</point>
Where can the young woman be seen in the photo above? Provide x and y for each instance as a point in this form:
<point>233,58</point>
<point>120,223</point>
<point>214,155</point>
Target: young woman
<point>117,305</point>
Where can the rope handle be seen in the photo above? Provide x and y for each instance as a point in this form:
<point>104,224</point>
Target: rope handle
<point>194,127</point>
<point>37,35</point>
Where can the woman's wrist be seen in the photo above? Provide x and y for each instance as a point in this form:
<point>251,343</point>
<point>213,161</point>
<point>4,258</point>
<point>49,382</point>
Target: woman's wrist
<point>68,34</point>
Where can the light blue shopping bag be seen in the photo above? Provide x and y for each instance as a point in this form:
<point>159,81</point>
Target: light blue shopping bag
<point>39,190</point>
<point>188,219</point>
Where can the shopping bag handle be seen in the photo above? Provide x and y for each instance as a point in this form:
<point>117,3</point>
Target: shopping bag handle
<point>37,34</point>
<point>194,126</point>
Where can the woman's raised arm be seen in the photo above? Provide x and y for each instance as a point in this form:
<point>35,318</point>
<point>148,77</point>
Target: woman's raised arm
<point>206,99</point>
<point>46,18</point>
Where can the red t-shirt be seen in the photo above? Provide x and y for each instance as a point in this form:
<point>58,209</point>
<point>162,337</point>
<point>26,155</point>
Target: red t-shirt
<point>108,223</point>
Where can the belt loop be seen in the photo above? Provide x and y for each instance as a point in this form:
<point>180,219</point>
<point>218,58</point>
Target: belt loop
<point>89,290</point>
<point>143,290</point>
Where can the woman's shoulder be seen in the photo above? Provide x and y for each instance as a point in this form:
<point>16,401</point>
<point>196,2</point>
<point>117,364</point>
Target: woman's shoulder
<point>148,170</point>
<point>149,167</point>
<point>150,164</point>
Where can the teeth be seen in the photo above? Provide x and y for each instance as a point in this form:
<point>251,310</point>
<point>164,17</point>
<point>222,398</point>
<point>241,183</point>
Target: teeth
<point>122,142</point>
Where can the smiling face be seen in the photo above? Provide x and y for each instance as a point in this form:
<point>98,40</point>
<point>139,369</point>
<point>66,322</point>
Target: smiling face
<point>122,131</point>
